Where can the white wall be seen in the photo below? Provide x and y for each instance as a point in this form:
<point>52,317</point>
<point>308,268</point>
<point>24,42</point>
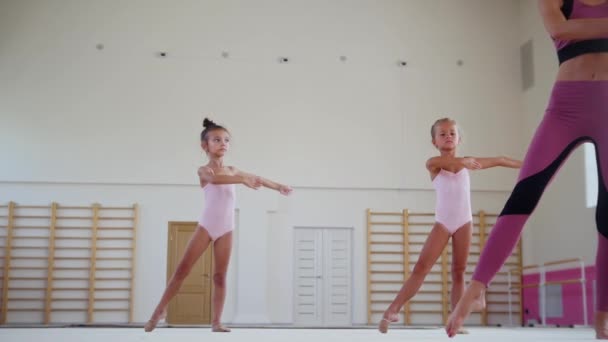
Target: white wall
<point>562,226</point>
<point>77,112</point>
<point>120,125</point>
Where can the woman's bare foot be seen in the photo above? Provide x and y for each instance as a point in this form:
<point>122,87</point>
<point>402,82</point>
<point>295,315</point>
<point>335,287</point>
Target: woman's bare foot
<point>463,308</point>
<point>601,325</point>
<point>151,324</point>
<point>480,303</point>
<point>388,318</point>
<point>462,331</point>
<point>219,328</point>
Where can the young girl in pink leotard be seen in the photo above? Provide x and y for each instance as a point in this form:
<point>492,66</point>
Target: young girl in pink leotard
<point>453,216</point>
<point>216,223</point>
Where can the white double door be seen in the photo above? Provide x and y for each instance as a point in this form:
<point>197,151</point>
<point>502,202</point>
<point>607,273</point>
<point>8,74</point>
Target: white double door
<point>323,280</point>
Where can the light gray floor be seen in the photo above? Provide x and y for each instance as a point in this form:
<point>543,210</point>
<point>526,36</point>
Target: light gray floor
<point>291,335</point>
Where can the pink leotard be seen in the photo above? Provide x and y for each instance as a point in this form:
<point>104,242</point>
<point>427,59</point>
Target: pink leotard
<point>218,215</point>
<point>453,208</point>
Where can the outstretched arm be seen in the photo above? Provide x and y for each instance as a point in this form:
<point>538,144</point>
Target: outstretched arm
<point>435,164</point>
<point>487,163</point>
<point>207,175</point>
<point>283,189</point>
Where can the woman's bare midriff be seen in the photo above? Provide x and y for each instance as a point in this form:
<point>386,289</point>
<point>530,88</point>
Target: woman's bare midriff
<point>588,67</point>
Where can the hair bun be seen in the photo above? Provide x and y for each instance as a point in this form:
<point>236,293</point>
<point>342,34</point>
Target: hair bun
<point>208,123</point>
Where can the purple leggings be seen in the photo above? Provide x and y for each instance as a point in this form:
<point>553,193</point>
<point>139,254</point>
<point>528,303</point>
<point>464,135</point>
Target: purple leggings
<point>577,113</point>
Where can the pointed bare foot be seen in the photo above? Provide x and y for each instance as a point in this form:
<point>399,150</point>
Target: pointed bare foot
<point>151,324</point>
<point>601,325</point>
<point>219,328</point>
<point>463,308</point>
<point>455,323</point>
<point>387,319</point>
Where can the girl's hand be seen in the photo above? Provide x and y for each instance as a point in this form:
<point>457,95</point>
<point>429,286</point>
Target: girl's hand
<point>285,190</point>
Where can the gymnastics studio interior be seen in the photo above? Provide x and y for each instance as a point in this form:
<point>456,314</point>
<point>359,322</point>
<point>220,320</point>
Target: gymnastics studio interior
<point>102,104</point>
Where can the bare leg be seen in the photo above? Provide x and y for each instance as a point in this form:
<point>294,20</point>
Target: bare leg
<point>221,252</point>
<point>466,303</point>
<point>461,243</point>
<point>196,246</point>
<point>432,249</point>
